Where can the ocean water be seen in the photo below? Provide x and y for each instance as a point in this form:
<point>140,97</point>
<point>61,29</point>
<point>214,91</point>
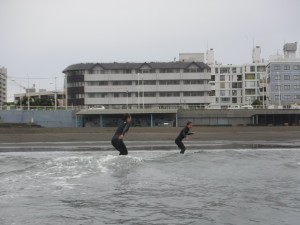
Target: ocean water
<point>232,187</point>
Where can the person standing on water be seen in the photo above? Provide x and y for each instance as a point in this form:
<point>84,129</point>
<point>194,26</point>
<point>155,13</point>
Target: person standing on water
<point>117,139</point>
<point>183,134</point>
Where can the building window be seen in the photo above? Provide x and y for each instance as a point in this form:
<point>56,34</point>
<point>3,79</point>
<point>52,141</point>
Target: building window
<point>150,94</point>
<point>250,91</point>
<point>296,87</point>
<point>124,83</point>
<point>217,70</point>
<point>234,100</point>
<point>225,70</point>
<point>252,68</point>
<point>297,97</point>
<point>287,77</point>
<point>193,82</point>
<point>233,69</point>
<point>296,67</point>
<point>277,87</point>
<point>213,78</point>
<point>261,69</point>
<point>222,77</point>
<point>234,92</point>
<point>222,85</point>
<point>149,82</point>
<point>250,84</point>
<point>276,67</point>
<point>225,99</point>
<point>250,76</point>
<point>277,77</point>
<point>222,93</point>
<point>277,97</point>
<point>296,77</point>
<point>193,70</point>
<point>126,71</point>
<point>286,67</point>
<point>169,82</point>
<point>193,93</point>
<point>287,97</point>
<point>169,94</point>
<point>97,83</point>
<point>287,87</point>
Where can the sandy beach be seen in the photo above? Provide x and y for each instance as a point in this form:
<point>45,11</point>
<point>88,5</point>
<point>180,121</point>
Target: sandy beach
<point>270,134</point>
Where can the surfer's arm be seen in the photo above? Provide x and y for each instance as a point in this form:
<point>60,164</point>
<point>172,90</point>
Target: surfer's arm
<point>126,128</point>
<point>190,133</point>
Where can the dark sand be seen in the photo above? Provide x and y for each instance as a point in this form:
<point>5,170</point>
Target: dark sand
<point>284,134</point>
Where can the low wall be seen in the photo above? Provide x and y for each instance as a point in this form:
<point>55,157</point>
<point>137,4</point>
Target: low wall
<point>239,117</point>
<point>58,118</point>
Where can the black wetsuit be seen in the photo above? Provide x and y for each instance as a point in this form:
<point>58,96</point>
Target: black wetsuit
<point>183,133</point>
<point>118,143</point>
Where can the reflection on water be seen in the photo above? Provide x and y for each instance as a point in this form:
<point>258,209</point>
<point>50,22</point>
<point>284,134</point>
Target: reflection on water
<point>230,186</point>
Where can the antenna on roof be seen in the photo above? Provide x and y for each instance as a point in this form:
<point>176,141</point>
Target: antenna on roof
<point>206,46</point>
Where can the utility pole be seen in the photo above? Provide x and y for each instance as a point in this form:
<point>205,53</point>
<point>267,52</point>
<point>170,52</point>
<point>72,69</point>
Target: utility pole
<point>55,95</point>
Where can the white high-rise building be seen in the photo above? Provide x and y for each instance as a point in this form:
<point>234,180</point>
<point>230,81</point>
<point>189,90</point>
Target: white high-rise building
<point>226,85</point>
<point>238,85</point>
<point>3,85</point>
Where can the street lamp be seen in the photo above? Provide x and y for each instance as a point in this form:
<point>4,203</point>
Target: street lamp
<point>143,93</point>
<point>138,90</point>
<point>127,99</point>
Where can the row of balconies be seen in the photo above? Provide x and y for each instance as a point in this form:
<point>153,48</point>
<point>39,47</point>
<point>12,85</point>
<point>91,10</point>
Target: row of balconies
<point>148,100</point>
<point>148,76</point>
<point>147,88</point>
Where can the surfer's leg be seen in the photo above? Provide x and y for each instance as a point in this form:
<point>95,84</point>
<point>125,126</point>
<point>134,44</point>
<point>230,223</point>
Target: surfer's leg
<point>181,146</point>
<point>114,143</point>
<point>122,148</point>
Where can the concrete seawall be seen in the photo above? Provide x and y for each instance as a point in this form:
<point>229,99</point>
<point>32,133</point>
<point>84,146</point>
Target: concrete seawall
<point>276,134</point>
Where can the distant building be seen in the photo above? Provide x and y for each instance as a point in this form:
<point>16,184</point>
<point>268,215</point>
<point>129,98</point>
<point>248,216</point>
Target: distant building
<point>191,57</point>
<point>138,85</point>
<point>237,84</point>
<point>42,94</point>
<point>284,77</point>
<point>3,85</point>
<point>226,85</point>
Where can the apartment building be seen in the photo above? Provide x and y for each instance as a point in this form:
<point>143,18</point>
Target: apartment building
<point>237,85</point>
<point>138,85</point>
<point>284,77</point>
<point>3,85</point>
<point>254,82</point>
<point>226,85</point>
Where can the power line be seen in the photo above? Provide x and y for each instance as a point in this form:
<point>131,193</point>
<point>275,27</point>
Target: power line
<point>35,78</point>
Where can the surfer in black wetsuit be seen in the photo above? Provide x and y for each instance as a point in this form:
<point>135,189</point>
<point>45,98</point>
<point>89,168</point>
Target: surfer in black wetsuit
<point>117,139</point>
<point>183,134</point>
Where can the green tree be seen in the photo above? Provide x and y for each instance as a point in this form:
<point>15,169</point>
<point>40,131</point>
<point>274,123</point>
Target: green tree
<point>256,102</point>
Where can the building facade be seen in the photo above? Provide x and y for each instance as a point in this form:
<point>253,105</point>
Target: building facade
<point>138,85</point>
<point>284,77</point>
<point>237,85</point>
<point>226,86</point>
<point>3,85</point>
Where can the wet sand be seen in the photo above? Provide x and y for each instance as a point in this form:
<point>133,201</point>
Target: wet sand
<point>284,134</point>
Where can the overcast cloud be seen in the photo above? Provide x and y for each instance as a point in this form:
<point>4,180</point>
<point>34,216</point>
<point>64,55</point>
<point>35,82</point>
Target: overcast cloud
<point>40,38</point>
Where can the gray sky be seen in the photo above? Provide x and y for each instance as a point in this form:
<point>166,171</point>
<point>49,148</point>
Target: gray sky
<point>40,38</point>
